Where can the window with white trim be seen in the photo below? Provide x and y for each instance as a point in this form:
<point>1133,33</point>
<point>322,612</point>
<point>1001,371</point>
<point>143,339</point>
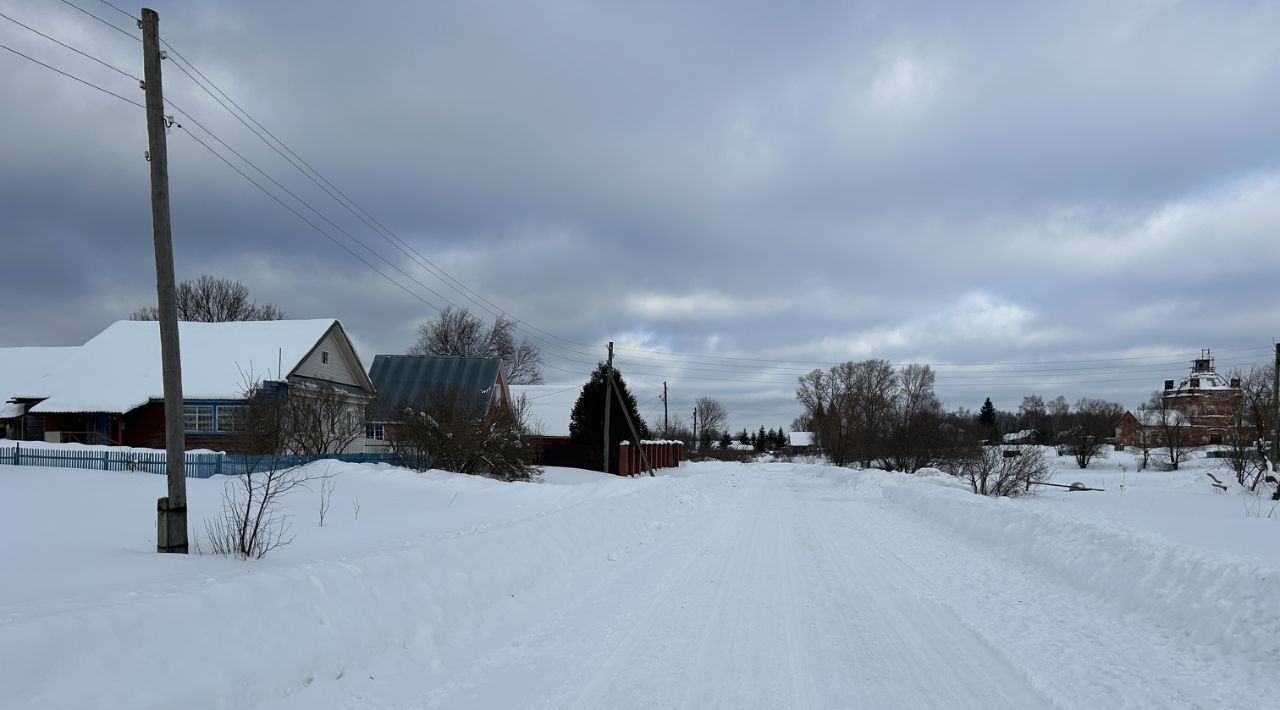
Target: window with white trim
<point>197,417</point>
<point>375,431</point>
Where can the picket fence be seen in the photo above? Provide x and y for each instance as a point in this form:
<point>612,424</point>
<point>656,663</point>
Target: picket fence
<point>198,465</point>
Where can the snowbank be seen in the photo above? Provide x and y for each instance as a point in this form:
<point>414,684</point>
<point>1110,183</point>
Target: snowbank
<point>198,628</point>
<point>1213,599</point>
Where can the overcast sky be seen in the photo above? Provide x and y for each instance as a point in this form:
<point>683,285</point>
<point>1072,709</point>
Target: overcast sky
<point>1093,187</point>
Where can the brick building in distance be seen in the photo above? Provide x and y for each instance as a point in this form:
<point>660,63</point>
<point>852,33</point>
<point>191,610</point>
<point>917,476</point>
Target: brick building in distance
<point>1204,400</point>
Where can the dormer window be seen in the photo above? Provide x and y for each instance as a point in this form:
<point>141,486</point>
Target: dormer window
<point>1195,383</point>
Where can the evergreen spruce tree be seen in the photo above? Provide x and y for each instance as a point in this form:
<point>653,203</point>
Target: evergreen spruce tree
<point>725,441</point>
<point>761,442</point>
<point>744,437</point>
<point>586,421</point>
<point>987,419</point>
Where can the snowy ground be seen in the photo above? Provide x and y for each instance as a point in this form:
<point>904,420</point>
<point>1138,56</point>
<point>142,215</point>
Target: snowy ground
<point>722,585</point>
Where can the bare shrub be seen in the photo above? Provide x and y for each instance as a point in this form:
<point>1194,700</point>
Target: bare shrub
<point>252,522</point>
<point>322,419</point>
<point>326,496</point>
<point>1004,470</point>
<point>450,430</point>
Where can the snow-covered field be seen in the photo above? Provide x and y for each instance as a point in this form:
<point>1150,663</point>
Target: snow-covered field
<point>767,585</point>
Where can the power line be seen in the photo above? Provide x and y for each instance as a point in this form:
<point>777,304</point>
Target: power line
<point>351,206</point>
<point>72,77</point>
<point>117,9</point>
<point>126,33</point>
<point>63,44</point>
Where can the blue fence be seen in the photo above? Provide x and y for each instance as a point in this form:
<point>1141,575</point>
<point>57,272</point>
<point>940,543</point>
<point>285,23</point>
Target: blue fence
<point>198,465</point>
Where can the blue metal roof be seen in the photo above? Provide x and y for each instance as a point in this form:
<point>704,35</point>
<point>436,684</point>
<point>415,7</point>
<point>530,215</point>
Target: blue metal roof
<point>410,380</point>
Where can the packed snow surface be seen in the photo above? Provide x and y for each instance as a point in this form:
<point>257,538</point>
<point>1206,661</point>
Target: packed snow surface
<point>721,585</point>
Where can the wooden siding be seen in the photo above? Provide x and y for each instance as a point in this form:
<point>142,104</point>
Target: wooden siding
<point>341,368</point>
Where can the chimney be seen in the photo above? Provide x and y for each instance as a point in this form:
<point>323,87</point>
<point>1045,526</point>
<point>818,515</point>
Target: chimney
<point>1168,385</point>
<point>1235,383</point>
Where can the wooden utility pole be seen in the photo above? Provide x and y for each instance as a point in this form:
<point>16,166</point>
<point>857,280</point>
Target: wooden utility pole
<point>695,428</point>
<point>608,400</point>
<point>171,511</point>
<point>666,425</point>
<point>1275,412</point>
<point>635,435</point>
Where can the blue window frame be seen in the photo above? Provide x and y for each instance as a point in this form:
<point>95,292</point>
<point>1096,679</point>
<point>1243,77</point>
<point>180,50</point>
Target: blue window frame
<point>215,417</point>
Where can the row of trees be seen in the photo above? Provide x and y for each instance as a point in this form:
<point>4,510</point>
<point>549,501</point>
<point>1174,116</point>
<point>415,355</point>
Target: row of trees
<point>869,413</point>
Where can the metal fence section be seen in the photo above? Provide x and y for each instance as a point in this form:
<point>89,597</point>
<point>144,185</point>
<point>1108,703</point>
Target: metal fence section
<point>198,465</point>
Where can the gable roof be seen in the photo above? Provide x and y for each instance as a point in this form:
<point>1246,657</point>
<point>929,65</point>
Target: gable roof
<point>405,380</point>
<point>800,438</point>
<point>119,369</point>
<point>22,369</point>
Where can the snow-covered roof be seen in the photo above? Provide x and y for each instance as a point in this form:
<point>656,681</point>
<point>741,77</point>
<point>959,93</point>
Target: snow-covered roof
<point>119,369</point>
<point>1023,435</point>
<point>22,369</point>
<point>800,438</point>
<point>1208,380</point>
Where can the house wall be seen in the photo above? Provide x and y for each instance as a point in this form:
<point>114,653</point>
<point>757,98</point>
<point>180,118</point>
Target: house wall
<point>1209,412</point>
<point>340,368</point>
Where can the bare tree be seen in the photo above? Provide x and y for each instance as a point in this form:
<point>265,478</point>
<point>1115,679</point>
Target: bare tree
<point>457,332</point>
<point>850,406</point>
<point>1004,470</point>
<point>1093,421</point>
<point>1059,414</point>
<point>1251,416</point>
<point>1031,412</point>
<point>1172,429</point>
<point>913,421</point>
<point>322,419</point>
<point>713,419</point>
<point>450,430</point>
<point>209,299</point>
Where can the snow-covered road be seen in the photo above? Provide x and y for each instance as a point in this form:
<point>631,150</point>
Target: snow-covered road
<point>786,590</point>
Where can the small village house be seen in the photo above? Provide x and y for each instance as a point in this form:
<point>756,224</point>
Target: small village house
<point>411,381</point>
<point>109,390</point>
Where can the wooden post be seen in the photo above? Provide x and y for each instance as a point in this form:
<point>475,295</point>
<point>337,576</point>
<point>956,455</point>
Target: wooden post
<point>171,511</point>
<point>644,459</point>
<point>608,401</point>
<point>1275,412</point>
<point>666,425</point>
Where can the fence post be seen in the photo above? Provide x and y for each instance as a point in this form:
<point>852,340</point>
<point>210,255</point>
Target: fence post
<point>217,468</point>
<point>17,453</point>
<point>104,460</point>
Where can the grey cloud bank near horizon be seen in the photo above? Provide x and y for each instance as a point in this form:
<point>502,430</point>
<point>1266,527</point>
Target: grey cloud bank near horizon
<point>1079,185</point>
